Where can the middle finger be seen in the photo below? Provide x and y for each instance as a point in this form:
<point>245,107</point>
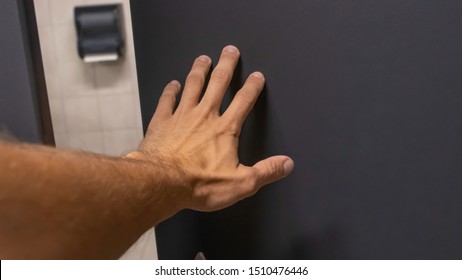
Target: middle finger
<point>220,78</point>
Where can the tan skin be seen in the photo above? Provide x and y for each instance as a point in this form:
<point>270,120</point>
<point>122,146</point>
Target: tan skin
<point>70,204</point>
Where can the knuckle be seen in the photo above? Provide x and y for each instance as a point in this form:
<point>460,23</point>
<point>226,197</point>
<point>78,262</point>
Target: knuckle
<point>252,188</point>
<point>234,129</point>
<point>229,127</point>
<point>246,97</point>
<point>199,194</point>
<point>221,75</point>
<point>195,79</point>
<point>248,183</point>
<point>252,181</point>
<point>168,89</point>
<point>273,170</point>
<point>168,92</point>
<point>168,95</point>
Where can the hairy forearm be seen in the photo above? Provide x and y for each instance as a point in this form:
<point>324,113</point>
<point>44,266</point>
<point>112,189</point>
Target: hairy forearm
<point>70,204</point>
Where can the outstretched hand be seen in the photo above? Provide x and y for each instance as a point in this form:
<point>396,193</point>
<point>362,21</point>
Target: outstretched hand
<point>198,147</point>
<point>72,204</point>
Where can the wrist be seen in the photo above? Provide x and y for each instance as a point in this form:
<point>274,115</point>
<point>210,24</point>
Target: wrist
<point>164,185</point>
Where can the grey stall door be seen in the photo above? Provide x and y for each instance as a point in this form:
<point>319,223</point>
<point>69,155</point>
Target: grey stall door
<point>365,95</point>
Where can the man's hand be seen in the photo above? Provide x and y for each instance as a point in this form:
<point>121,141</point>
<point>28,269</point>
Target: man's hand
<point>64,204</point>
<point>198,147</point>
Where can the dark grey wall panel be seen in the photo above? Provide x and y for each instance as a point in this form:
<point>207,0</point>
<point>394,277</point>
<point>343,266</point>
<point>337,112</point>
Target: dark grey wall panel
<point>366,96</point>
<point>24,110</point>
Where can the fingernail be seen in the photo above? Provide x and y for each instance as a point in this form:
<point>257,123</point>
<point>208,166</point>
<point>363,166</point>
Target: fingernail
<point>175,83</point>
<point>258,75</point>
<point>231,48</point>
<point>204,58</point>
<point>288,166</point>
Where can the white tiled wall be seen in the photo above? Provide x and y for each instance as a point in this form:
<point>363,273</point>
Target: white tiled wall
<point>89,102</point>
<point>94,107</point>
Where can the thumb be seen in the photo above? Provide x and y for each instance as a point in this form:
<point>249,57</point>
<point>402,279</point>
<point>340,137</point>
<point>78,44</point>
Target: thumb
<point>273,168</point>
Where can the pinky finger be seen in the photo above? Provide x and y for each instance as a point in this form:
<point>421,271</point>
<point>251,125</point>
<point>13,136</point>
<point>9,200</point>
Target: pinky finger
<point>167,100</point>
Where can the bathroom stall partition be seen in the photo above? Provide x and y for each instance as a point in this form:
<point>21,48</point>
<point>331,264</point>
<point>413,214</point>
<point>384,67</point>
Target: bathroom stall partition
<point>24,109</point>
<point>365,96</point>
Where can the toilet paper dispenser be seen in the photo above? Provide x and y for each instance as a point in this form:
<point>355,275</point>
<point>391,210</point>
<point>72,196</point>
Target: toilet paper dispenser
<point>99,32</point>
